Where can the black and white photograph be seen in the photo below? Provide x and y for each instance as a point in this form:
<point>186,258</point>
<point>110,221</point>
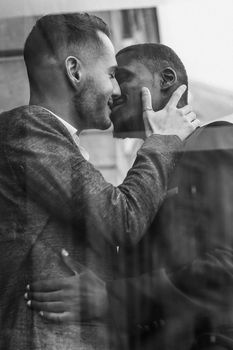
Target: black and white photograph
<point>116,167</point>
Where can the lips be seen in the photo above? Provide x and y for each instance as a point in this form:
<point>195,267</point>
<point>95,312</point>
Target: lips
<point>118,102</point>
<point>110,103</point>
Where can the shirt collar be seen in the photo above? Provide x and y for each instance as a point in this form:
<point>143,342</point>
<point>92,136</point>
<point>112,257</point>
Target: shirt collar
<point>72,130</point>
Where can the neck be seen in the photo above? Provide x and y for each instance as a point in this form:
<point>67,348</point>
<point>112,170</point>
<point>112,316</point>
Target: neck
<point>61,108</point>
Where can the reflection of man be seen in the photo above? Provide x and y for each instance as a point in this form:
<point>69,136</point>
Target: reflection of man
<point>51,197</point>
<point>188,249</point>
<point>186,298</point>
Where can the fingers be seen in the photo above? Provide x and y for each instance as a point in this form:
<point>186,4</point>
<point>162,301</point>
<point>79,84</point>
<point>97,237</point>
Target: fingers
<point>191,117</point>
<point>49,285</point>
<point>63,317</point>
<point>55,306</point>
<point>176,96</point>
<point>148,129</point>
<point>196,123</point>
<point>146,99</point>
<point>146,106</point>
<point>186,109</point>
<point>48,296</point>
<point>56,284</point>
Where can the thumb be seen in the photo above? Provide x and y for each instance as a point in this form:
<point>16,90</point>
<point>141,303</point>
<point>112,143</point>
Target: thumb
<point>67,261</point>
<point>146,100</point>
<point>147,125</point>
<point>146,106</point>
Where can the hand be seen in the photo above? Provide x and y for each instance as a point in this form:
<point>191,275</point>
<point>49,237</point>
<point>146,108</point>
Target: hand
<point>170,120</point>
<point>81,297</point>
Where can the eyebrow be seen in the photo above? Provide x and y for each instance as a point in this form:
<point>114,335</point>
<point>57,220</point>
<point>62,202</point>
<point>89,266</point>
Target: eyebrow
<point>122,72</point>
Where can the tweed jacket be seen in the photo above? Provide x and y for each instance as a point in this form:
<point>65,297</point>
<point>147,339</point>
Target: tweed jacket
<point>52,198</point>
<point>183,297</point>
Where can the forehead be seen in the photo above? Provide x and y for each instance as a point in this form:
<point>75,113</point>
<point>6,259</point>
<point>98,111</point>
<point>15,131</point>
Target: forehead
<point>127,63</point>
<point>99,57</point>
<point>107,51</point>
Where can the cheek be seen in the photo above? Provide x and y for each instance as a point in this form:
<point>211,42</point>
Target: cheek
<point>157,100</point>
<point>106,86</point>
<point>132,93</point>
<point>135,99</point>
<point>102,86</point>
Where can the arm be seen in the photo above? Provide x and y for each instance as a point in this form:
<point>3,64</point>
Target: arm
<point>51,171</point>
<point>194,290</point>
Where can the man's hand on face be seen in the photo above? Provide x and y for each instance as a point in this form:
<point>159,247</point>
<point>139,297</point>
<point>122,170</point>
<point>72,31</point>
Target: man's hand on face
<point>170,120</point>
<point>81,297</point>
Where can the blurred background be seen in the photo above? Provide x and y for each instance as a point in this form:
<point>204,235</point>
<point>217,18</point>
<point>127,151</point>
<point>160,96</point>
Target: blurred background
<point>200,31</point>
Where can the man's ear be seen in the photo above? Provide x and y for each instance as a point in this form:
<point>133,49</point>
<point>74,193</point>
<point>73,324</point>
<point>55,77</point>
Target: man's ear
<point>74,70</point>
<point>168,78</point>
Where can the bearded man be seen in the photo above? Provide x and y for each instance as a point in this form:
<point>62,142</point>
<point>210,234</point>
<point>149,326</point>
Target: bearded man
<point>51,196</point>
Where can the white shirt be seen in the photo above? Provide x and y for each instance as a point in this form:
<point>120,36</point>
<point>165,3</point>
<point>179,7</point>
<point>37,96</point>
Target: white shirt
<point>73,132</point>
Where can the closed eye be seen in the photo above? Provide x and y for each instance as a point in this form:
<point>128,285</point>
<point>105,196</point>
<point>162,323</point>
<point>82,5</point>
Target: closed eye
<point>123,76</point>
<point>112,75</point>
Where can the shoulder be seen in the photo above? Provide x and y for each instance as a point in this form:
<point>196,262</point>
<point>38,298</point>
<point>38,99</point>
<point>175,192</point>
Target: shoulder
<point>30,120</point>
<point>33,136</point>
<point>33,129</point>
<point>217,135</point>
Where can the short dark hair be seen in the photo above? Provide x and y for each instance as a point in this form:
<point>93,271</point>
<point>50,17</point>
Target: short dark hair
<point>51,33</point>
<point>156,57</point>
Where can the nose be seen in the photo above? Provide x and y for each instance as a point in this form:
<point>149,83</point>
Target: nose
<point>116,88</point>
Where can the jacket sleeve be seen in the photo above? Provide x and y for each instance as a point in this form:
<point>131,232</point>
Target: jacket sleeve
<point>50,170</point>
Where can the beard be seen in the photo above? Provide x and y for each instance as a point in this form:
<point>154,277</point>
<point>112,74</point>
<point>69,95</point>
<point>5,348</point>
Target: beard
<point>128,124</point>
<point>91,106</point>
